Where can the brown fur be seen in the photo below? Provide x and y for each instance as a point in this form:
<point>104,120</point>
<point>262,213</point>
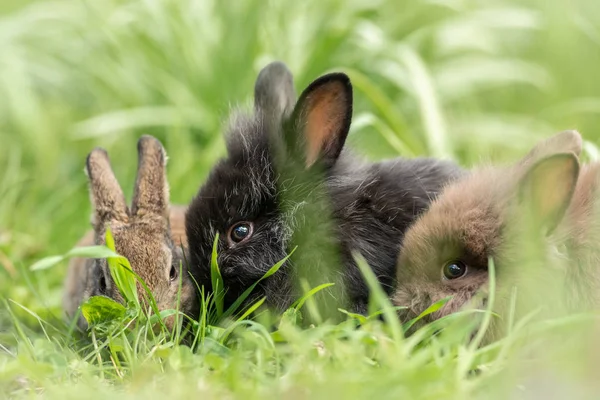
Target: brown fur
<point>483,215</point>
<point>150,234</point>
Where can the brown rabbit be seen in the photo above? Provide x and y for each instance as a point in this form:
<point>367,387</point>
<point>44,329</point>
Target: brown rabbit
<point>486,214</point>
<point>150,234</point>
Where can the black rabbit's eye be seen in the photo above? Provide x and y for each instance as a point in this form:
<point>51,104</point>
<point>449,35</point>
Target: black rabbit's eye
<point>240,232</point>
<point>454,269</point>
<point>173,273</point>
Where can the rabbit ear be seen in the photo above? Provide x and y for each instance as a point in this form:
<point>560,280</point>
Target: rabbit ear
<point>274,93</point>
<point>151,194</point>
<point>548,187</point>
<point>563,142</point>
<point>106,194</point>
<point>321,119</point>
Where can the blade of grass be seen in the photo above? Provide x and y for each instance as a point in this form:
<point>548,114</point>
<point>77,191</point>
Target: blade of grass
<point>216,279</point>
<point>380,299</point>
<point>431,112</point>
<point>385,106</point>
<point>430,310</point>
<point>467,358</point>
<point>490,306</point>
<point>20,332</point>
<point>83,251</point>
<point>300,302</point>
<point>251,309</point>
<point>248,291</point>
<point>40,320</point>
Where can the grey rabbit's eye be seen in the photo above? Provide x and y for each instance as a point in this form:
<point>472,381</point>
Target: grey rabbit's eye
<point>102,285</point>
<point>239,232</point>
<point>173,273</point>
<point>454,269</point>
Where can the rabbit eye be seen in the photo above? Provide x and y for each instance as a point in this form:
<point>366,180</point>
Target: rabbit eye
<point>173,273</point>
<point>240,232</point>
<point>454,269</point>
<point>102,285</point>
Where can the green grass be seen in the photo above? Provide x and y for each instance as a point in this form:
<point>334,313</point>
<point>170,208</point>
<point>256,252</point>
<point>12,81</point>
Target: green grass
<point>473,81</point>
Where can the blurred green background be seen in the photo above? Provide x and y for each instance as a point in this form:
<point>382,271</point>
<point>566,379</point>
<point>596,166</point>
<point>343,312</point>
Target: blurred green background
<point>476,81</point>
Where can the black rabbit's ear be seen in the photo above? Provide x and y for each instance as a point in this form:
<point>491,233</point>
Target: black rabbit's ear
<point>547,188</point>
<point>151,195</point>
<point>106,194</point>
<point>321,119</point>
<point>274,93</point>
<point>563,142</point>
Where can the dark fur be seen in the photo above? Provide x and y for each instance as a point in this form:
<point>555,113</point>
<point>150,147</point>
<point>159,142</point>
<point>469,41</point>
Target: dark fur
<point>328,204</point>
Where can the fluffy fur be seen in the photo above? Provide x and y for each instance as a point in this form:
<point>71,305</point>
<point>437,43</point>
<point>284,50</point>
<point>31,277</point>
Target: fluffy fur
<point>286,173</point>
<point>150,234</point>
<point>490,213</point>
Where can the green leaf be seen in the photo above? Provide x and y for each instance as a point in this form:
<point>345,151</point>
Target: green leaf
<point>92,252</point>
<point>84,251</point>
<point>430,310</point>
<point>122,273</point>
<point>98,309</point>
<point>46,263</point>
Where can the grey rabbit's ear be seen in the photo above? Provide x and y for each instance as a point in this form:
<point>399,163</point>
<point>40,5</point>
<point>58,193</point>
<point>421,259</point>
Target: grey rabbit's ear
<point>548,186</point>
<point>151,195</point>
<point>106,194</point>
<point>321,119</point>
<point>564,142</point>
<point>274,93</point>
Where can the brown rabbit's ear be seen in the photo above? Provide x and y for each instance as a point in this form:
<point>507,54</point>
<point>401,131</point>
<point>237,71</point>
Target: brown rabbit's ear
<point>106,194</point>
<point>563,142</point>
<point>274,93</point>
<point>151,195</point>
<point>548,186</point>
<point>321,119</point>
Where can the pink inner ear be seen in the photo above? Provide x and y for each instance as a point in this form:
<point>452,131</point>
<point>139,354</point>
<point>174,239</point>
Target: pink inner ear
<point>553,186</point>
<point>325,116</point>
<point>553,183</point>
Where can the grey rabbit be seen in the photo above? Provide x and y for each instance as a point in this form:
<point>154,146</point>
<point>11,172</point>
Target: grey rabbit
<point>150,234</point>
<point>487,214</point>
<point>287,180</point>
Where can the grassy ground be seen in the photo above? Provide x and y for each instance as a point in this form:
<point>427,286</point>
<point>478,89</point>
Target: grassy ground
<point>467,80</point>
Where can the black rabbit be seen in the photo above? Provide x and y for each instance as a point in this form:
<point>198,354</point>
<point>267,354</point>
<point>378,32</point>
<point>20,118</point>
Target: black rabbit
<point>287,182</point>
